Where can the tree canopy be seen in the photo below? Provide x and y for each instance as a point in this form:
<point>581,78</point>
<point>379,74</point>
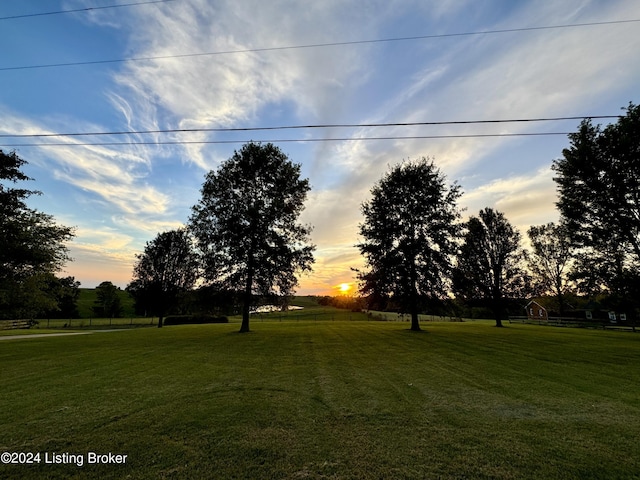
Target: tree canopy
<point>246,224</point>
<point>551,260</point>
<point>167,268</point>
<point>409,232</point>
<point>33,245</point>
<point>488,263</point>
<point>107,303</point>
<point>598,180</point>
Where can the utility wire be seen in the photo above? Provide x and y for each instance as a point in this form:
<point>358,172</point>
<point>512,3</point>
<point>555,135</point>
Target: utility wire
<point>87,9</point>
<point>319,45</point>
<point>300,127</point>
<point>287,140</point>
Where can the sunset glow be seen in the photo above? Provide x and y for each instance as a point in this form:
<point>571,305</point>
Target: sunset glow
<point>395,97</point>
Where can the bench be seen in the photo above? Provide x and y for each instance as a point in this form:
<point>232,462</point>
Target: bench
<point>15,324</point>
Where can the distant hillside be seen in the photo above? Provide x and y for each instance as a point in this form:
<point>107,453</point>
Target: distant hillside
<point>87,300</point>
<point>306,301</point>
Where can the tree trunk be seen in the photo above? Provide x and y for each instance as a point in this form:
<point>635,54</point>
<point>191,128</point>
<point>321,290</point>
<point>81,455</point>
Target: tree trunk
<point>415,321</point>
<point>244,327</point>
<point>497,295</point>
<point>497,311</point>
<point>246,303</point>
<point>161,312</point>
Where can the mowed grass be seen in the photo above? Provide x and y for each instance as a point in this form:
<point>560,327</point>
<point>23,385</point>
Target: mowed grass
<point>311,400</point>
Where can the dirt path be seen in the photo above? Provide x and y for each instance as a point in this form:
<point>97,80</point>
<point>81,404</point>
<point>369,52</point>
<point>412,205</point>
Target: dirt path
<point>42,335</point>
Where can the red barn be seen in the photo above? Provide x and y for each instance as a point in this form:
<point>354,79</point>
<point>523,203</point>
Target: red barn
<point>535,311</point>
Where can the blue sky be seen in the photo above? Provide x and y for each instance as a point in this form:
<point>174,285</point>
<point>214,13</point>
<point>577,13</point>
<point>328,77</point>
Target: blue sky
<point>120,197</point>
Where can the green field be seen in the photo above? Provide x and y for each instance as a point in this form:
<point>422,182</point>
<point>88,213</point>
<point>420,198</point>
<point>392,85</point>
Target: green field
<point>326,399</point>
<point>88,297</point>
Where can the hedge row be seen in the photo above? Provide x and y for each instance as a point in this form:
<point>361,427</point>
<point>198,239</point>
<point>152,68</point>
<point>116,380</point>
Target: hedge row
<point>193,319</point>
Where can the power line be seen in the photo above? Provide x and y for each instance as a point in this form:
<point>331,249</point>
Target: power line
<point>87,9</point>
<point>300,127</point>
<point>318,45</point>
<point>287,140</point>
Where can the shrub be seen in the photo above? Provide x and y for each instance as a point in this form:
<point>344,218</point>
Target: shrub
<point>193,319</point>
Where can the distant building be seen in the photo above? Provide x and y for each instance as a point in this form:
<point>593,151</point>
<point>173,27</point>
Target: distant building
<point>535,311</point>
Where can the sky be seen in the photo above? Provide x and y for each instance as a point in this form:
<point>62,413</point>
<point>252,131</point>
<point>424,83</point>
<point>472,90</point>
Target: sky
<point>445,60</point>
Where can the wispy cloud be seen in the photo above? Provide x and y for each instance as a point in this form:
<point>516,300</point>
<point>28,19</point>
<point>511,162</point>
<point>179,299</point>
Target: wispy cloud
<point>526,200</point>
<point>140,190</point>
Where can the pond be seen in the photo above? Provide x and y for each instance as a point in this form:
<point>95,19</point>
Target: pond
<point>273,308</point>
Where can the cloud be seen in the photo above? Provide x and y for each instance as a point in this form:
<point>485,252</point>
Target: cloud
<point>115,176</point>
<point>225,90</point>
<point>526,200</point>
<point>519,74</point>
<point>99,255</point>
<point>333,266</point>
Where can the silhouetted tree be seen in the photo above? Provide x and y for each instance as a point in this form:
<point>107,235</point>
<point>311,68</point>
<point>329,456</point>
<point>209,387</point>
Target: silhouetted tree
<point>599,189</point>
<point>488,265</point>
<point>32,245</point>
<point>409,232</point>
<point>551,260</point>
<point>246,224</point>
<point>107,303</point>
<point>166,269</point>
<point>66,292</point>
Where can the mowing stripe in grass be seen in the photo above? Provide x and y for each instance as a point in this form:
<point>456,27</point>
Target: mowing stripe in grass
<point>322,399</point>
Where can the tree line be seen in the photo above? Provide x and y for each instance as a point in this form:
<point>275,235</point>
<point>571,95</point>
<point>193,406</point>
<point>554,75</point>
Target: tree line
<point>418,254</point>
<point>244,242</point>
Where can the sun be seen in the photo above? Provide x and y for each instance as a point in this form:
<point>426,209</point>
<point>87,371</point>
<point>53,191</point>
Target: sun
<point>344,288</point>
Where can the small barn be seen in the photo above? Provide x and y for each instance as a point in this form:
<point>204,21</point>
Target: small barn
<point>535,311</point>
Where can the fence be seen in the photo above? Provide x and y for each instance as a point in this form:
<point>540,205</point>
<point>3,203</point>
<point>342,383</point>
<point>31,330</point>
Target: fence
<point>322,314</point>
<point>76,323</point>
<point>576,322</point>
<point>405,317</point>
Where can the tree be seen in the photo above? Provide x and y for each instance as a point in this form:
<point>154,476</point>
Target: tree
<point>409,232</point>
<point>166,269</point>
<point>552,259</point>
<point>246,224</point>
<point>488,263</point>
<point>33,245</point>
<point>65,291</point>
<point>607,272</point>
<point>107,303</point>
<point>598,182</point>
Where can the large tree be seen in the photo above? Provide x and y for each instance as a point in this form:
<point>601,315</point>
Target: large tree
<point>246,224</point>
<point>598,182</point>
<point>166,269</point>
<point>598,179</point>
<point>488,265</point>
<point>551,260</point>
<point>107,302</point>
<point>608,276</point>
<point>33,245</point>
<point>409,232</point>
<point>66,292</point>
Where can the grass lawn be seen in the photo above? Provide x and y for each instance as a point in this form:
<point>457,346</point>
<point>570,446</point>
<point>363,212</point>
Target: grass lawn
<point>334,399</point>
<point>88,297</point>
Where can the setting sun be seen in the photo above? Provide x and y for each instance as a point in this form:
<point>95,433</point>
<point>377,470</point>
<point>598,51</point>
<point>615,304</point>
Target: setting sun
<point>344,287</point>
